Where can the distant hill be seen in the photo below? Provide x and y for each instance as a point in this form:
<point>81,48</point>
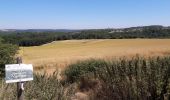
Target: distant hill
<point>38,30</point>
<point>138,28</point>
<point>36,37</point>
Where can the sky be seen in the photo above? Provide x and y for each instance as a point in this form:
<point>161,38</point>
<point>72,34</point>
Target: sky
<point>82,14</point>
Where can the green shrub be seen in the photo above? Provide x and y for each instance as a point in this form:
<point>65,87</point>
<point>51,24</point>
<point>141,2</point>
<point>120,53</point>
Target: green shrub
<point>135,79</point>
<point>75,71</point>
<point>125,79</point>
<point>7,53</point>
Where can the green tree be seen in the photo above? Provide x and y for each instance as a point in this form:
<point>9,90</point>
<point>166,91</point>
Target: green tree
<point>1,40</point>
<point>7,53</point>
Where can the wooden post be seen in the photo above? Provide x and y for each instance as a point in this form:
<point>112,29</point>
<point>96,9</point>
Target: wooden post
<point>20,92</point>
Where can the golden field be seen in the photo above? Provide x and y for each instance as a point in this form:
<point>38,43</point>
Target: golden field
<point>61,53</point>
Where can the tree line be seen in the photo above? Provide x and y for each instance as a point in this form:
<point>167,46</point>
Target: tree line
<point>39,38</point>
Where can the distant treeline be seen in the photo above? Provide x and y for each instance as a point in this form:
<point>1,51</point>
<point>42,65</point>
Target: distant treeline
<point>39,38</point>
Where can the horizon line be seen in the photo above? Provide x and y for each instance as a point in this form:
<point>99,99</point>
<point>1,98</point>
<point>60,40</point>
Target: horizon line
<point>81,28</point>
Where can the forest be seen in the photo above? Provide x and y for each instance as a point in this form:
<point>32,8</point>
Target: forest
<point>39,38</point>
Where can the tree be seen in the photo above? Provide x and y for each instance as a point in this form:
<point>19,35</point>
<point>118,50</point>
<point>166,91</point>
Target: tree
<point>7,53</point>
<point>1,40</point>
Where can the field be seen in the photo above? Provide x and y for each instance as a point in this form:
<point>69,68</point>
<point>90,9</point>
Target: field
<point>128,78</point>
<point>65,52</point>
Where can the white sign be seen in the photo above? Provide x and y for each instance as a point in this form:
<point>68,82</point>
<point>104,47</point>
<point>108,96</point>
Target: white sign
<point>18,73</point>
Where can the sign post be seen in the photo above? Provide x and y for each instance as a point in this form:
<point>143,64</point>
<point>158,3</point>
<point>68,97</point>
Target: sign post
<point>20,89</point>
<point>19,73</point>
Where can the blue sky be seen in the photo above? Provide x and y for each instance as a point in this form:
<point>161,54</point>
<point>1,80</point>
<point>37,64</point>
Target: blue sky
<point>80,14</point>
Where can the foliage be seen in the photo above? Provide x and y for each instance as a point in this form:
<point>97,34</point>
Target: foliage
<point>124,79</point>
<point>7,53</point>
<point>43,87</point>
<point>29,38</point>
<point>128,79</point>
<point>136,79</point>
<point>1,40</point>
<point>39,38</point>
<point>74,72</point>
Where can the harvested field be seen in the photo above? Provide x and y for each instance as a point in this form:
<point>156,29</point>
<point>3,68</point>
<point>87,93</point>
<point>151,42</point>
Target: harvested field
<point>65,52</point>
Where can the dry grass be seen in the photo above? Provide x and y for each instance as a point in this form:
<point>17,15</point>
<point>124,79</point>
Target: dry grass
<point>60,53</point>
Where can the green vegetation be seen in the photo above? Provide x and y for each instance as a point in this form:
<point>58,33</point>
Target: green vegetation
<point>7,53</point>
<point>1,40</point>
<point>74,72</point>
<point>39,38</point>
<point>43,87</point>
<point>125,79</point>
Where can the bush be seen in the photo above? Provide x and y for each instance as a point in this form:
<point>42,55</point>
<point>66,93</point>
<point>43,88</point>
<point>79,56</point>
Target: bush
<point>74,72</point>
<point>7,53</point>
<point>43,87</point>
<point>126,79</point>
<point>135,79</point>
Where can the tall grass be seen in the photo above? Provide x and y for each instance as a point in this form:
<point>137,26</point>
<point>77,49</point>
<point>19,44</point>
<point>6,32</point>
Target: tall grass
<point>75,71</point>
<point>126,79</point>
<point>134,78</point>
<point>43,87</point>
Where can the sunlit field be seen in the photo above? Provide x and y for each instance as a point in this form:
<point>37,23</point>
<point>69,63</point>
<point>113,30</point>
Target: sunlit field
<point>61,53</point>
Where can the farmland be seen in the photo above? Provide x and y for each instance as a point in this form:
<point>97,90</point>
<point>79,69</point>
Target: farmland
<point>96,79</point>
<point>65,52</point>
